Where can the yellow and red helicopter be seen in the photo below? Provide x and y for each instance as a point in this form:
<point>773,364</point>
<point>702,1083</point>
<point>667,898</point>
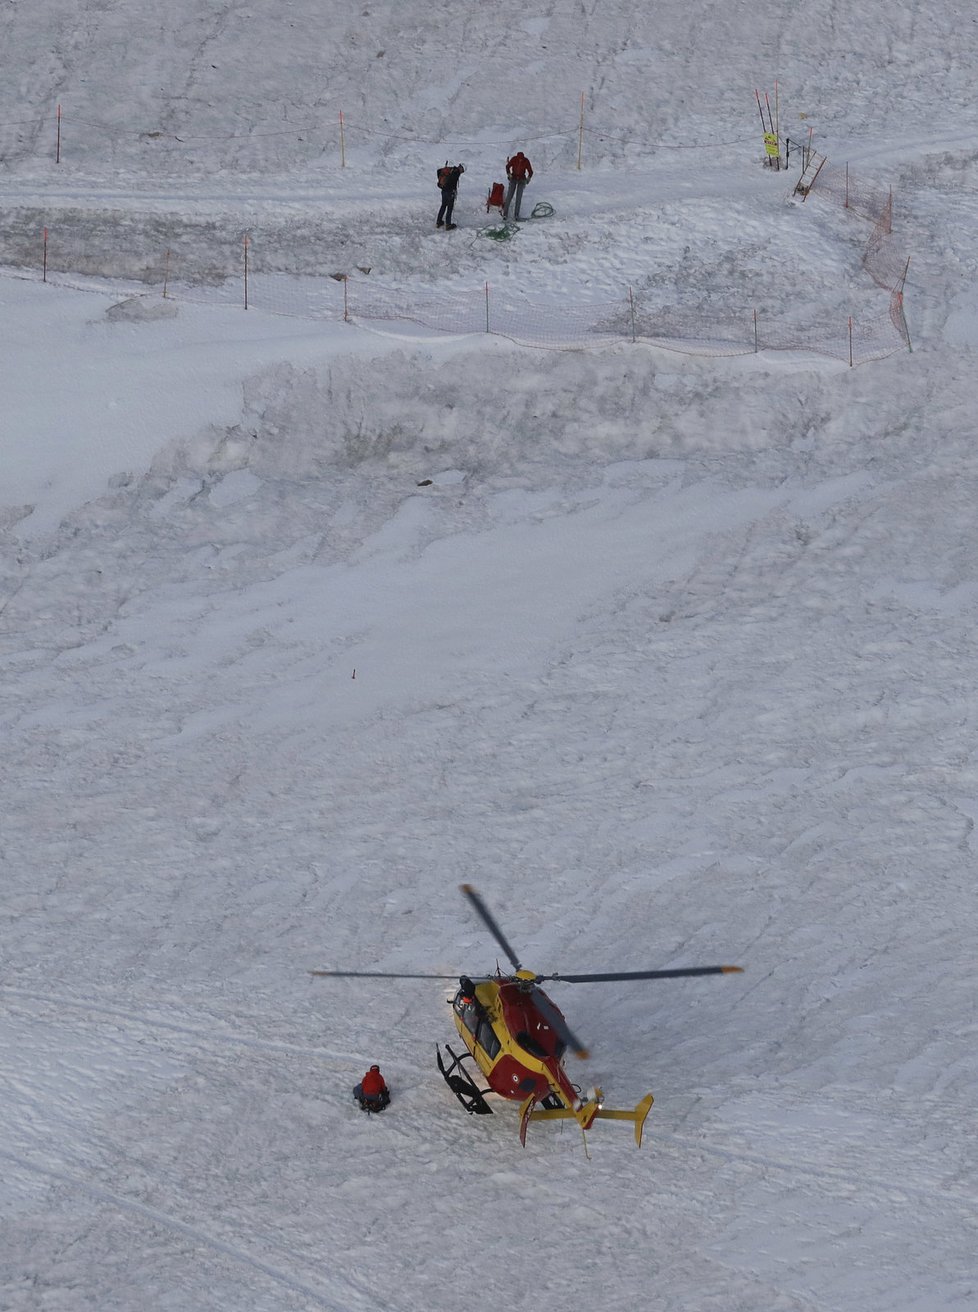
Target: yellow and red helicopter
<point>517,1037</point>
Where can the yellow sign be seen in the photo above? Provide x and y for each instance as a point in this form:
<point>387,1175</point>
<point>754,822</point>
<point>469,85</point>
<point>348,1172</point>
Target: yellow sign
<point>771,143</point>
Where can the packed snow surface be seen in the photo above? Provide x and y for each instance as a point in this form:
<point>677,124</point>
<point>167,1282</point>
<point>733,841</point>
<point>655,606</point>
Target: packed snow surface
<point>304,622</point>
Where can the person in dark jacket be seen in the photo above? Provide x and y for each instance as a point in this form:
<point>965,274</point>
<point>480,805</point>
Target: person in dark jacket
<point>448,176</point>
<point>372,1092</point>
<point>519,171</point>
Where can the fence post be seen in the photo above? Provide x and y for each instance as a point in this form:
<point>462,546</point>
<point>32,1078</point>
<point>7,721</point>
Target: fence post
<point>847,185</point>
<point>166,271</point>
<point>631,308</point>
<point>342,143</point>
<point>580,135</point>
<point>246,242</point>
<point>755,332</point>
<point>44,258</point>
<point>850,341</point>
<point>487,307</point>
<point>346,299</point>
<point>57,149</point>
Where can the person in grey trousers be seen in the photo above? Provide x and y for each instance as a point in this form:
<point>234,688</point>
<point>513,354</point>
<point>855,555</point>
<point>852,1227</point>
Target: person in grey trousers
<point>519,171</point>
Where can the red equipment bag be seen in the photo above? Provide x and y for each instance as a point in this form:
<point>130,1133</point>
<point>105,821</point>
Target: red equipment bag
<point>496,196</point>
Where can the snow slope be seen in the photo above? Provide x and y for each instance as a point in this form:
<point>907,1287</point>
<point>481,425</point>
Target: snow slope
<point>303,623</point>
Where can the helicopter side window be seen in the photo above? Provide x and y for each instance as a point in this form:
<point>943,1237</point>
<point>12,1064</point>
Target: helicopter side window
<point>529,1044</point>
<point>486,1038</point>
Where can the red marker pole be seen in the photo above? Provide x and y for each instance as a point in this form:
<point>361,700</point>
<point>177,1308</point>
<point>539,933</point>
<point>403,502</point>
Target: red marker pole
<point>757,97</point>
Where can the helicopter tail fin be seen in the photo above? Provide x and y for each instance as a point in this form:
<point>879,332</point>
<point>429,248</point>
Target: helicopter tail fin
<point>526,1112</point>
<point>585,1115</point>
<point>637,1117</point>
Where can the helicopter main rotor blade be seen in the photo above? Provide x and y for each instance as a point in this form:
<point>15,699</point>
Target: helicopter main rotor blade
<point>646,974</point>
<point>557,1023</point>
<point>375,974</point>
<point>490,923</point>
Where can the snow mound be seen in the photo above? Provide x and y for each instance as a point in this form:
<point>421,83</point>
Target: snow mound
<point>141,309</point>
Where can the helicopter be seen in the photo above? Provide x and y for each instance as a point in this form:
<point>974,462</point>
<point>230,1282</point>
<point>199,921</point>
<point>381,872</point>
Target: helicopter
<point>517,1037</point>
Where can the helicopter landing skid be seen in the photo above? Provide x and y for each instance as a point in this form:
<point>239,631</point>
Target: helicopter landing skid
<point>462,1084</point>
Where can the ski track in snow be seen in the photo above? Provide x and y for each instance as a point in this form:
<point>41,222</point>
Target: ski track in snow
<point>352,1296</point>
<point>206,1037</point>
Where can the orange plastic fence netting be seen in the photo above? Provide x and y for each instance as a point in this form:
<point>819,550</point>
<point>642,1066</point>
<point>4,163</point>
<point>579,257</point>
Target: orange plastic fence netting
<point>693,330</point>
<point>884,257</point>
<point>867,200</point>
<point>211,141</point>
<point>633,318</point>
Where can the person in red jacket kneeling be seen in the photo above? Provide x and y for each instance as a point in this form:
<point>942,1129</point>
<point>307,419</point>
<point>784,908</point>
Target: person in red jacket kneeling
<point>372,1092</point>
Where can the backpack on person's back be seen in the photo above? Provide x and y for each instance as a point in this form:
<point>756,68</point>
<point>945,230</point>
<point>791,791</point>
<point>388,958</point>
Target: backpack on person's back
<point>449,174</point>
